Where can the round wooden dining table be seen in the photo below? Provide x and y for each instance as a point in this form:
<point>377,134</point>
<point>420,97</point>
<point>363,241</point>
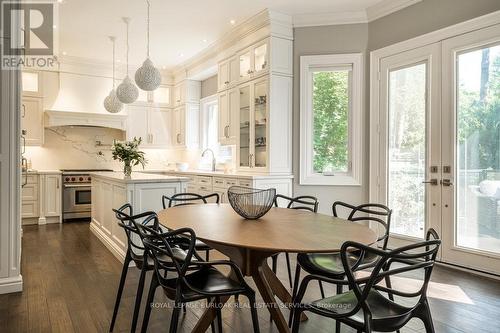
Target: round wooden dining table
<point>249,243</point>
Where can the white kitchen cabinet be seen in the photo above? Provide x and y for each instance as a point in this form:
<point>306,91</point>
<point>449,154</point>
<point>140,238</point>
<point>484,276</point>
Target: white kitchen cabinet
<point>51,195</point>
<point>159,127</point>
<point>152,124</point>
<point>253,110</point>
<point>32,84</point>
<point>186,126</point>
<point>228,74</point>
<point>32,120</point>
<point>41,198</point>
<point>253,60</point>
<point>228,117</point>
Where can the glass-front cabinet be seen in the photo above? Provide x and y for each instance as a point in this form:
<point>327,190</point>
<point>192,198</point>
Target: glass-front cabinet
<point>253,116</point>
<point>254,60</point>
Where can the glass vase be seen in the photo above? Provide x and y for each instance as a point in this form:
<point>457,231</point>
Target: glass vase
<point>127,169</point>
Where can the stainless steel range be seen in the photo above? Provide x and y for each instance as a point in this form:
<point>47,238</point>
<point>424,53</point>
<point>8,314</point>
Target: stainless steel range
<point>77,198</point>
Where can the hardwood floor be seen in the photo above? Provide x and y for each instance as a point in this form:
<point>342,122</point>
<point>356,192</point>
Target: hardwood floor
<point>70,282</point>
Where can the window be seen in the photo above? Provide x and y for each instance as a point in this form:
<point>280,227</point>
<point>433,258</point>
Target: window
<point>330,119</point>
<point>209,132</point>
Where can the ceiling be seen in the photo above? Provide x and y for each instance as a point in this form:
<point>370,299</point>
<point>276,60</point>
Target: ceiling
<point>179,29</point>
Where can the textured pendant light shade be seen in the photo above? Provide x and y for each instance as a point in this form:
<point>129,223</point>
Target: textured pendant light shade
<point>127,92</point>
<point>111,102</point>
<point>148,77</point>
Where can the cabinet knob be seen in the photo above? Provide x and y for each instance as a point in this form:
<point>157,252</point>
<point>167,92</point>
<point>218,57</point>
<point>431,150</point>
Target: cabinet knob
<point>227,82</point>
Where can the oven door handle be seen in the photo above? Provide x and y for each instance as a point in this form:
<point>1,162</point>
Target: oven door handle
<point>76,185</point>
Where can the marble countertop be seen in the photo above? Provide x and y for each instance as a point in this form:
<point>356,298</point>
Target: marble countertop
<point>138,177</point>
<point>218,174</point>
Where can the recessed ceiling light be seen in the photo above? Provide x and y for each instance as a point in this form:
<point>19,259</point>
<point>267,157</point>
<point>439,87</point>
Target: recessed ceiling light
<point>181,54</point>
<point>204,41</point>
<point>64,53</point>
<point>232,22</point>
<point>60,1</point>
<point>54,26</point>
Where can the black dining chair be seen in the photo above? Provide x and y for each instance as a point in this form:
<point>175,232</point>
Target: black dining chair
<point>303,202</point>
<point>194,280</point>
<point>330,264</point>
<point>135,252</point>
<point>369,304</point>
<point>181,199</point>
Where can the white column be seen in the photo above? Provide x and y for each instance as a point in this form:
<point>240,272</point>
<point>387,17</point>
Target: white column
<point>10,209</point>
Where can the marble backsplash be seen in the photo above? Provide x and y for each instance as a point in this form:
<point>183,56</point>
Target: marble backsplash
<point>78,148</point>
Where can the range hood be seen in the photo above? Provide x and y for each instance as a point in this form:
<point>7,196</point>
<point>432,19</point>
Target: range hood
<point>55,118</point>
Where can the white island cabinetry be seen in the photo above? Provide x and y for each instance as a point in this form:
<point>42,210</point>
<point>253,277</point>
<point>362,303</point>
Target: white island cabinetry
<point>112,190</point>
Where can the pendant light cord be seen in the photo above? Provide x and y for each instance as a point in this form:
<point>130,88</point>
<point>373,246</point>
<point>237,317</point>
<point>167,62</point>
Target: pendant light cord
<point>113,63</point>
<point>127,46</point>
<point>149,5</point>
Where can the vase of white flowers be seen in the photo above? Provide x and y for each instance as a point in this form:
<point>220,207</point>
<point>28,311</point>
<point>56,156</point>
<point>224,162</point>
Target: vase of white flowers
<point>128,152</point>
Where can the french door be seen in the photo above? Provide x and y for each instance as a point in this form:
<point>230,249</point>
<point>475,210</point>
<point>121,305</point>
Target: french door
<point>440,132</point>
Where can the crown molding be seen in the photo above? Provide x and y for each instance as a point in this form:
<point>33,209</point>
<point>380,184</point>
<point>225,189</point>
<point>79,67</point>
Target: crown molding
<point>337,18</point>
<point>372,13</point>
<point>387,7</point>
<point>264,24</point>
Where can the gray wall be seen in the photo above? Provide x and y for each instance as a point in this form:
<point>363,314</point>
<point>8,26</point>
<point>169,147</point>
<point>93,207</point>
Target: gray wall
<point>421,18</point>
<point>209,86</point>
<point>424,17</point>
<point>327,40</point>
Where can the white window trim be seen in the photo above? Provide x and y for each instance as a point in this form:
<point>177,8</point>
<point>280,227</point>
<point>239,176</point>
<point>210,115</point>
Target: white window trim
<point>205,103</point>
<point>307,176</point>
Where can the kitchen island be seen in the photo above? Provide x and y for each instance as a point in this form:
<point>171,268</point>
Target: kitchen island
<point>112,190</point>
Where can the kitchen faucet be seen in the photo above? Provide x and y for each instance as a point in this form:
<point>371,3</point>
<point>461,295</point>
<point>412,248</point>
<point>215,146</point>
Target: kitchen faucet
<point>213,157</point>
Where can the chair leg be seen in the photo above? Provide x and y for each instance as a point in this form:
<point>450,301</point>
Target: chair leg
<point>219,313</point>
<point>321,289</point>
<point>296,320</point>
<point>151,296</point>
<point>289,269</point>
<point>426,317</point>
<point>207,255</point>
<point>253,310</point>
<point>337,323</point>
<point>175,317</point>
<point>275,263</point>
<point>126,262</point>
<point>138,298</point>
<point>294,293</point>
<point>184,307</point>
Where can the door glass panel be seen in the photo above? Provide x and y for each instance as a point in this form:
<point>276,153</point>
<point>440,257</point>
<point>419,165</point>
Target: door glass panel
<point>478,150</point>
<point>260,106</point>
<point>260,57</point>
<point>245,126</point>
<point>82,197</point>
<point>407,150</point>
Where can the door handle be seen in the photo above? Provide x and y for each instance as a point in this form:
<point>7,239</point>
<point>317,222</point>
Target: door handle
<point>24,111</point>
<point>433,182</point>
<point>446,182</point>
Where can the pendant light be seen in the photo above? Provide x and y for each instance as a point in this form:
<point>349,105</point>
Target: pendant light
<point>127,92</point>
<point>111,103</point>
<point>148,77</point>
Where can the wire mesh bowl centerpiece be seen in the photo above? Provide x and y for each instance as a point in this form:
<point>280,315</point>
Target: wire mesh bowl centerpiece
<point>251,203</point>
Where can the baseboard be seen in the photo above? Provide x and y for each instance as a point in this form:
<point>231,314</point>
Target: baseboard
<point>11,284</point>
<point>117,252</point>
<point>468,270</point>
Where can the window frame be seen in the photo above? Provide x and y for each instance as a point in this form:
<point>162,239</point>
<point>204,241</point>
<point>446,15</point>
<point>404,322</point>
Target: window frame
<point>205,103</point>
<point>309,65</point>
